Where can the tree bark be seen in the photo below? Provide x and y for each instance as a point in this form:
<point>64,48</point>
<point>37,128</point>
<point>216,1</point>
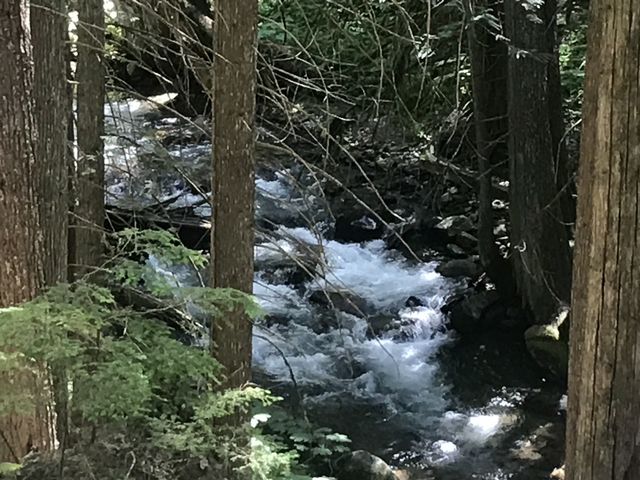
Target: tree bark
<point>90,77</point>
<point>540,244</point>
<point>490,109</point>
<point>233,178</point>
<point>21,257</point>
<point>603,430</point>
<point>49,35</point>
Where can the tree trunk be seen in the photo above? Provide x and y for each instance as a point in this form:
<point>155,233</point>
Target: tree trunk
<point>90,77</point>
<point>540,244</point>
<point>603,432</point>
<point>21,258</point>
<point>233,178</point>
<point>489,84</point>
<point>49,35</point>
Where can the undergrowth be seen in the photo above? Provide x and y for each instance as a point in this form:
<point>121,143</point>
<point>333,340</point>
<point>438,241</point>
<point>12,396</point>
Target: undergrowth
<point>131,399</point>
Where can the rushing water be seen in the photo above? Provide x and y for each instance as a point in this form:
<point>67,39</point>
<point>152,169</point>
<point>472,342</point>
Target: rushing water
<point>399,392</point>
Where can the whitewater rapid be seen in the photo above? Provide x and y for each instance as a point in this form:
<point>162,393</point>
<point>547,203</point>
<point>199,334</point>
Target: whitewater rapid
<point>386,389</point>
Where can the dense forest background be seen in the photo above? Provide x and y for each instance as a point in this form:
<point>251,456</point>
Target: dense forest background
<point>281,239</point>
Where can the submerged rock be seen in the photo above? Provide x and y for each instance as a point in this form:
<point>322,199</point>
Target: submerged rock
<point>290,268</point>
<point>343,300</point>
<point>547,348</point>
<point>361,465</point>
<point>413,302</point>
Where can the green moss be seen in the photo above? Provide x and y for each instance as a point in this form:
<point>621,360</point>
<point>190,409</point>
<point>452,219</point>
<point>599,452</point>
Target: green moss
<point>8,469</point>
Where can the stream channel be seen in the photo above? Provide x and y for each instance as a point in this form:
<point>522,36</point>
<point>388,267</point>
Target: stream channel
<point>390,374</point>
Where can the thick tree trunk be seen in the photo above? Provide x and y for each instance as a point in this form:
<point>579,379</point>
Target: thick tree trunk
<point>540,244</point>
<point>49,35</point>
<point>21,258</point>
<point>233,177</point>
<point>489,83</point>
<point>603,430</point>
<point>90,77</point>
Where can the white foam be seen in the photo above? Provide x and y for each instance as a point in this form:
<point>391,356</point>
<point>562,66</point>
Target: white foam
<point>399,370</point>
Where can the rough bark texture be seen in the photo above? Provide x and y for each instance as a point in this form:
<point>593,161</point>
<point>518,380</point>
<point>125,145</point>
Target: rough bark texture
<point>90,77</point>
<point>541,254</point>
<point>21,268</point>
<point>49,36</point>
<point>603,429</point>
<point>233,177</point>
<point>489,82</point>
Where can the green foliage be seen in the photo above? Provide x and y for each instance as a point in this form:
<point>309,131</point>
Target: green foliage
<point>120,369</point>
<point>573,52</point>
<point>397,56</point>
<point>313,444</point>
<point>132,244</point>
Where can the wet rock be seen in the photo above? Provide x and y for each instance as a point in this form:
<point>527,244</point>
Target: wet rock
<point>466,313</point>
<point>361,465</point>
<point>356,228</point>
<point>290,268</point>
<point>459,268</point>
<point>381,323</point>
<point>343,300</point>
<point>547,348</point>
<point>348,368</point>
<point>532,447</point>
<point>271,320</point>
<point>456,224</point>
<point>413,302</point>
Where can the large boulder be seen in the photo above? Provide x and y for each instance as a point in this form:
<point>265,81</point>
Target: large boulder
<point>547,348</point>
<point>361,465</point>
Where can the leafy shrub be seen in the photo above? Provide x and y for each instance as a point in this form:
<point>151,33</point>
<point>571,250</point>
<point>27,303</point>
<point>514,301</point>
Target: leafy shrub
<point>124,373</point>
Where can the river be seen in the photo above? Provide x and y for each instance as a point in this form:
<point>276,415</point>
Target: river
<point>391,375</point>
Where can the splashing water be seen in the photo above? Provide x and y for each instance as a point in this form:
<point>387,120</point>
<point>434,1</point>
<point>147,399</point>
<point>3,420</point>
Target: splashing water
<point>385,390</point>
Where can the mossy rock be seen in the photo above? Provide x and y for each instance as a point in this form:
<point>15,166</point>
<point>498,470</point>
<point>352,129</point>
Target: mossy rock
<point>8,470</point>
<point>548,349</point>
